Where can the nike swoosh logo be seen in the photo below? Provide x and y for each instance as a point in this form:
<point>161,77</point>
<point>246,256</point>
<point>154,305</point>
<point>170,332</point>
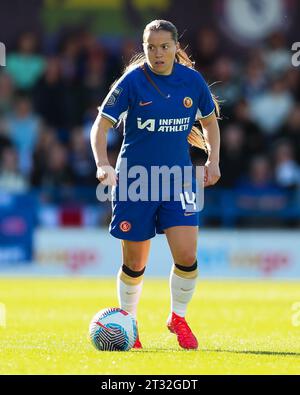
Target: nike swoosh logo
<point>130,293</point>
<point>187,215</point>
<point>144,103</point>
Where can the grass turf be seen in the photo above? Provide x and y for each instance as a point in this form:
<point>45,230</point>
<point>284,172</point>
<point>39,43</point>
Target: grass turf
<point>242,328</point>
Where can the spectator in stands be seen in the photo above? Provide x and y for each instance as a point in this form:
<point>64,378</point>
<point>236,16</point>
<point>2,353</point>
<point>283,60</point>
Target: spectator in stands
<point>227,86</point>
<point>277,54</point>
<point>206,51</point>
<point>291,130</point>
<point>70,60</point>
<point>50,95</point>
<point>46,140</point>
<point>23,126</point>
<point>254,138</point>
<point>11,180</point>
<point>258,191</point>
<point>57,172</point>
<point>69,56</point>
<point>233,157</point>
<point>286,169</point>
<point>95,81</point>
<point>292,77</point>
<point>128,49</point>
<point>254,76</point>
<point>277,101</point>
<point>81,159</point>
<point>6,94</point>
<point>26,66</point>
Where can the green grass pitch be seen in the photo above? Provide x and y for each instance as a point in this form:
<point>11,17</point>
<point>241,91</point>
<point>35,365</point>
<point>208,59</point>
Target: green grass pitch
<point>242,328</point>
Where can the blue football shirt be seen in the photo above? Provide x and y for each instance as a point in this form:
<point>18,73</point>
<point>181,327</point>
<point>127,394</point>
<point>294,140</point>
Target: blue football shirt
<point>157,123</point>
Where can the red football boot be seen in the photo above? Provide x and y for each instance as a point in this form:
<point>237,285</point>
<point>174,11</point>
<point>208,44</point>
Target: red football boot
<point>185,336</point>
<point>137,343</point>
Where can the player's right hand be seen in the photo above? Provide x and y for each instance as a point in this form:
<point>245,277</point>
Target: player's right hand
<point>107,175</point>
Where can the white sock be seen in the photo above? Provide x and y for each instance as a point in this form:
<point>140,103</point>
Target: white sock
<point>128,295</point>
<point>182,290</point>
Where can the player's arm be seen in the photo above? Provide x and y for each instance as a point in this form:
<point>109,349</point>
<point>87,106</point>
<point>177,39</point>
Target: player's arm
<point>211,133</point>
<point>105,172</point>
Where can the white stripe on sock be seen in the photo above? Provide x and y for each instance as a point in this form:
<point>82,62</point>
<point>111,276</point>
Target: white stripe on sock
<point>182,290</point>
<point>128,296</point>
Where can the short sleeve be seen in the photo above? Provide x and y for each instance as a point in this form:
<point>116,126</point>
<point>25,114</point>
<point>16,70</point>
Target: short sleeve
<point>206,105</point>
<point>116,103</point>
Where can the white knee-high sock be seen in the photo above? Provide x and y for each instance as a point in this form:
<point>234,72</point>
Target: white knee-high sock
<point>182,287</point>
<point>129,290</point>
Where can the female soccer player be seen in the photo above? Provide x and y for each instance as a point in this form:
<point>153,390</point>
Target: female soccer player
<point>158,97</point>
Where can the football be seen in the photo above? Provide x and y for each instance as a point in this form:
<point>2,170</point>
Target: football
<point>113,329</point>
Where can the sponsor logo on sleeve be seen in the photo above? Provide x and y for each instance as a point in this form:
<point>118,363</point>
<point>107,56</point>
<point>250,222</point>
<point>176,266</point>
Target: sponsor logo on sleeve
<point>114,97</point>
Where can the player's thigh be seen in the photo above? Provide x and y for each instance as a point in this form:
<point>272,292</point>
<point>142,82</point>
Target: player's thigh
<point>134,221</point>
<point>135,253</point>
<point>183,244</point>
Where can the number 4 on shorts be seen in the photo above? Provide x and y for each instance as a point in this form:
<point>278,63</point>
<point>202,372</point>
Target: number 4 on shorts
<point>188,201</point>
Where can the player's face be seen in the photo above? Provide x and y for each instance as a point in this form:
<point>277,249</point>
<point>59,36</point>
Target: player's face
<point>160,49</point>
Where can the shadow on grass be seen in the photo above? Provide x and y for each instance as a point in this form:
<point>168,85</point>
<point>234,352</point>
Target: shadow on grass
<point>253,352</point>
<point>279,353</point>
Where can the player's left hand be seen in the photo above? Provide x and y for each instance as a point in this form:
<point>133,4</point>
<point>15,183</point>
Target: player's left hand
<point>211,173</point>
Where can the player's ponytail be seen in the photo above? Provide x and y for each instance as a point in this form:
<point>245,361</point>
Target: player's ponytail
<point>183,58</point>
<point>196,137</point>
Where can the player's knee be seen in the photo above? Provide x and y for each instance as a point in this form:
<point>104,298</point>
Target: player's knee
<point>135,265</point>
<point>186,259</point>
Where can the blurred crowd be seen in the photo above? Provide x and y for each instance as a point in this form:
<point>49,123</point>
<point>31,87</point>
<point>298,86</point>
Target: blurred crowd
<point>50,91</point>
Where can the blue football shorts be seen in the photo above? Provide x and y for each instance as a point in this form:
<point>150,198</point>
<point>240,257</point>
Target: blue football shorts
<point>142,220</point>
